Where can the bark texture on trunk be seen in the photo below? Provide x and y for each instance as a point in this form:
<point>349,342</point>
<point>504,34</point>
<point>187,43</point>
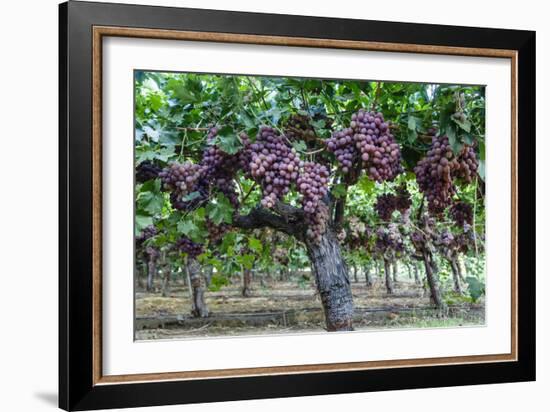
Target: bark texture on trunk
<point>394,270</point>
<point>247,277</point>
<point>417,279</point>
<point>331,278</point>
<point>457,287</point>
<point>433,283</point>
<point>208,273</point>
<point>459,267</point>
<point>151,269</point>
<point>199,309</point>
<point>368,277</point>
<point>141,274</point>
<point>387,273</point>
<point>165,282</point>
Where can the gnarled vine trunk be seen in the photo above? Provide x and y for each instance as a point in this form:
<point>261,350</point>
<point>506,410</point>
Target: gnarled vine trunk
<point>459,267</point>
<point>417,279</point>
<point>199,308</point>
<point>151,269</point>
<point>457,287</point>
<point>394,270</point>
<point>166,282</point>
<point>331,278</point>
<point>368,277</point>
<point>387,274</point>
<point>247,277</point>
<point>433,283</point>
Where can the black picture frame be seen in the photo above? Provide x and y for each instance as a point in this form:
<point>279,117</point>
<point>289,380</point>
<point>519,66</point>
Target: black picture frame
<point>77,390</point>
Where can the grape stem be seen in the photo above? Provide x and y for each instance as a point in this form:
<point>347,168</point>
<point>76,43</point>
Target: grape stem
<point>198,129</point>
<point>249,191</point>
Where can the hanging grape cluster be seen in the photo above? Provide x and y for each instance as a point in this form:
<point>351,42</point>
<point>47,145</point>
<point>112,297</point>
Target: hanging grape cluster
<point>147,170</point>
<point>368,140</point>
<point>274,164</point>
<point>216,232</point>
<point>214,173</point>
<point>147,233</point>
<point>180,202</point>
<point>313,186</point>
<point>451,244</point>
<point>389,241</point>
<point>387,203</point>
<point>219,167</point>
<point>461,213</point>
<point>422,240</point>
<point>445,238</point>
<point>181,178</point>
<point>298,127</point>
<point>186,245</point>
<point>281,256</point>
<point>357,234</point>
<point>152,252</point>
<point>436,171</point>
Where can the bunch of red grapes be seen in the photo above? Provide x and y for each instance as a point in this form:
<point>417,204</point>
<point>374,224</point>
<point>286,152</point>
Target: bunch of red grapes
<point>367,140</point>
<point>274,164</point>
<point>313,186</point>
<point>387,203</point>
<point>147,170</point>
<point>147,233</point>
<point>436,171</point>
<point>461,213</point>
<point>186,245</point>
<point>389,240</point>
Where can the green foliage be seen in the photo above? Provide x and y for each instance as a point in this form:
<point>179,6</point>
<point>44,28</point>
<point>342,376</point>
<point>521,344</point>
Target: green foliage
<point>220,210</point>
<point>173,112</point>
<point>476,288</point>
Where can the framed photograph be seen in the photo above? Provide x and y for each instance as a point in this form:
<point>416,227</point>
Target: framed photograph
<point>256,206</point>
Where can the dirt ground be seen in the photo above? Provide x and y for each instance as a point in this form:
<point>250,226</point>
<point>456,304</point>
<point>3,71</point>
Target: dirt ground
<point>286,307</point>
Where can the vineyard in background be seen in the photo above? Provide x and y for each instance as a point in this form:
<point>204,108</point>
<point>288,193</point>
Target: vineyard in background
<point>272,205</point>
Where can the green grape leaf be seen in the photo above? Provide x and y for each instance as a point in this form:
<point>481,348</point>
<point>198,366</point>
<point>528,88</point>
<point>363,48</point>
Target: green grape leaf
<point>299,145</point>
<point>246,260</point>
<point>228,141</point>
<point>464,124</point>
<point>142,222</point>
<point>220,210</point>
<point>476,288</point>
<point>339,190</point>
<point>255,245</point>
<point>366,185</point>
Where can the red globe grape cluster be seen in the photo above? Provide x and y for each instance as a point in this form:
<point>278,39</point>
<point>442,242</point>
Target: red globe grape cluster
<point>313,186</point>
<point>357,234</point>
<point>389,240</point>
<point>387,203</point>
<point>147,233</point>
<point>181,178</point>
<point>368,140</point>
<point>147,170</point>
<point>152,252</point>
<point>298,127</point>
<point>216,232</point>
<point>274,164</point>
<point>461,212</point>
<point>186,245</point>
<point>436,171</point>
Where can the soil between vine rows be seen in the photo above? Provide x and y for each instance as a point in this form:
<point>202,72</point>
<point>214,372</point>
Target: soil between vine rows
<point>286,308</point>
